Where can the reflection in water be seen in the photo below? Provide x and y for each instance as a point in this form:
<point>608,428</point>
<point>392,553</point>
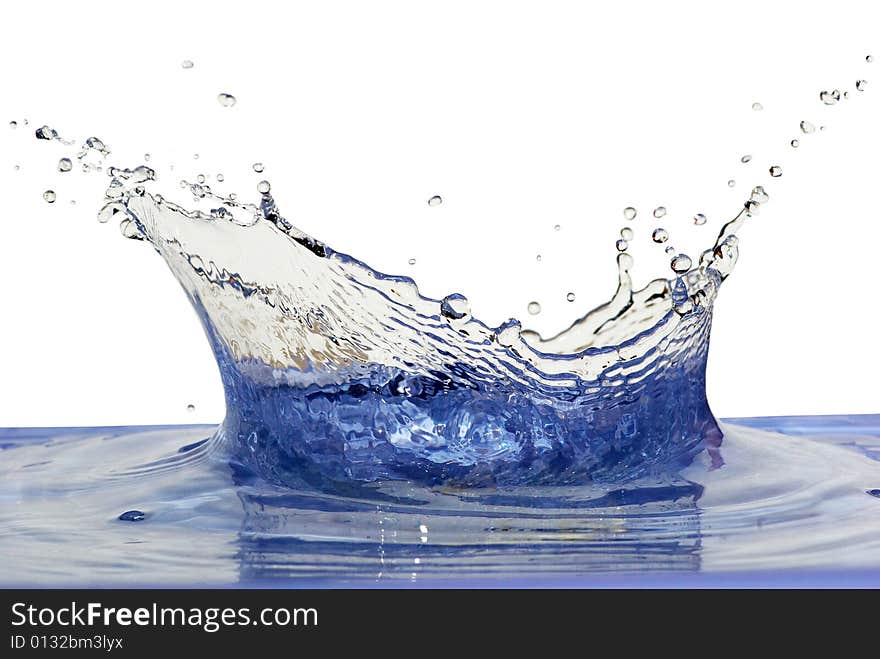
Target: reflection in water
<point>774,502</point>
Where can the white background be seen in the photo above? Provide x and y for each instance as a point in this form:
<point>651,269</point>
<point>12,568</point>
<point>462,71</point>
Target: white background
<point>521,115</point>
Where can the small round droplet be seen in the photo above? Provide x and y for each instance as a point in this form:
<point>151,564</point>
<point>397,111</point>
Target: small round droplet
<point>556,227</point>
<point>200,178</point>
<point>13,124</point>
<point>187,64</point>
<point>226,100</point>
<point>760,195</point>
<point>680,263</point>
<point>436,200</point>
<point>534,308</point>
<point>869,58</point>
<point>829,98</point>
<point>699,219</point>
<point>807,128</point>
<point>745,159</point>
<point>731,183</point>
<point>49,196</point>
<point>795,143</point>
<point>874,492</point>
<point>621,245</point>
<point>412,261</point>
<point>65,165</point>
<point>776,171</point>
<point>195,156</point>
<point>660,236</point>
<point>263,187</point>
<point>190,408</point>
<point>538,257</point>
<point>258,167</point>
<point>757,107</point>
<point>132,516</point>
<point>670,249</point>
<point>570,297</point>
<point>220,178</point>
<point>45,133</point>
<point>626,233</point>
<point>455,306</point>
<point>147,157</point>
<point>659,212</point>
<point>861,84</point>
<point>629,213</point>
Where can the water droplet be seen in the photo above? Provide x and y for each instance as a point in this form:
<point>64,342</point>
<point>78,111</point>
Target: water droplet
<point>699,219</point>
<point>776,171</point>
<point>621,245</point>
<point>795,143</point>
<point>659,212</point>
<point>132,516</point>
<point>757,107</point>
<point>670,249</point>
<point>556,227</point>
<point>226,100</point>
<point>147,157</point>
<point>412,261</point>
<point>745,159</point>
<point>195,156</point>
<point>869,58</point>
<point>570,297</point>
<point>760,195</point>
<point>455,306</point>
<point>538,257</point>
<point>846,94</point>
<point>829,98</point>
<point>807,128</point>
<point>680,263</point>
<point>874,493</point>
<point>45,133</point>
<point>258,167</point>
<point>752,207</point>
<point>200,178</point>
<point>731,183</point>
<point>13,124</point>
<point>660,236</point>
<point>263,187</point>
<point>190,408</point>
<point>17,167</point>
<point>861,84</point>
<point>629,213</point>
<point>534,308</point>
<point>65,165</point>
<point>49,196</point>
<point>220,178</point>
<point>436,200</point>
<point>626,233</point>
<point>187,64</point>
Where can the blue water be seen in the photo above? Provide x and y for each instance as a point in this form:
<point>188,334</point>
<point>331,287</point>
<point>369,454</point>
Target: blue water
<point>762,508</point>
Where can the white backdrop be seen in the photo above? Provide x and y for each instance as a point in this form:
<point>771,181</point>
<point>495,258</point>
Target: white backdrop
<point>521,115</point>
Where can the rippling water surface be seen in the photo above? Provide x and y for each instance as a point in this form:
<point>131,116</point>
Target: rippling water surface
<point>761,505</point>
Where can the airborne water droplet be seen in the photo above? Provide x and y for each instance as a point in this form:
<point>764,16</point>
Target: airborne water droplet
<point>263,187</point>
<point>570,297</point>
<point>538,257</point>
<point>621,245</point>
<point>759,195</point>
<point>670,249</point>
<point>829,98</point>
<point>869,58</point>
<point>699,219</point>
<point>190,408</point>
<point>226,100</point>
<point>731,183</point>
<point>861,84</point>
<point>629,213</point>
<point>49,195</point>
<point>795,143</point>
<point>776,171</point>
<point>132,516</point>
<point>220,178</point>
<point>745,159</point>
<point>626,233</point>
<point>757,107</point>
<point>13,124</point>
<point>659,212</point>
<point>65,165</point>
<point>412,261</point>
<point>680,263</point>
<point>534,308</point>
<point>556,227</point>
<point>436,200</point>
<point>807,127</point>
<point>187,64</point>
<point>258,167</point>
<point>45,133</point>
<point>660,235</point>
